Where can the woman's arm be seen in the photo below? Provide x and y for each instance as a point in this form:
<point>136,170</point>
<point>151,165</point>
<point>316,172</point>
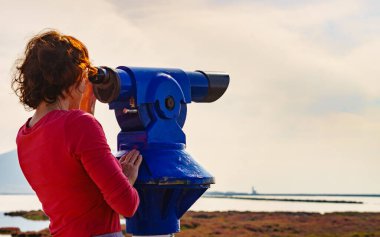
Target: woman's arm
<point>87,142</point>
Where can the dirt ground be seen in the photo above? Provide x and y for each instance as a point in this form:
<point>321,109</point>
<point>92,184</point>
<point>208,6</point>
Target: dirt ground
<point>273,224</point>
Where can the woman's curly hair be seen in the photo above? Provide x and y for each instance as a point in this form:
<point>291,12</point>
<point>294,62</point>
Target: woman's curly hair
<point>52,64</point>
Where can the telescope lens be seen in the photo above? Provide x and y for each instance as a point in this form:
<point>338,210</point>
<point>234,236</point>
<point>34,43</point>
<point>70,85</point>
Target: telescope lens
<point>217,85</point>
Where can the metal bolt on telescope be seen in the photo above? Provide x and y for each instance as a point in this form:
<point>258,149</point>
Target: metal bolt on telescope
<point>150,106</point>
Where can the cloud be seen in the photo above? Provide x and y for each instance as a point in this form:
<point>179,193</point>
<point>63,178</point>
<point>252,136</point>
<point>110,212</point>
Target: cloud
<point>297,103</point>
<point>301,107</point>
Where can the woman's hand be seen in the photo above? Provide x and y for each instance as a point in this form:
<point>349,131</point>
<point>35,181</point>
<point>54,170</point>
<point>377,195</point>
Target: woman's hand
<point>130,164</point>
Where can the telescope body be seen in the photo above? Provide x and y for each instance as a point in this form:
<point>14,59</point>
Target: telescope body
<point>150,105</point>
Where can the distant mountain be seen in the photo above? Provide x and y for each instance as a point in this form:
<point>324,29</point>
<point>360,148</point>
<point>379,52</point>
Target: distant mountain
<point>12,181</point>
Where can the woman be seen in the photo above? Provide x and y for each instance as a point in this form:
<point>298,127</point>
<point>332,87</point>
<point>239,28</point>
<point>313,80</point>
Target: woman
<point>62,150</point>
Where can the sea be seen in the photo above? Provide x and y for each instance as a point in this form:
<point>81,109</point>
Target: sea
<point>367,203</point>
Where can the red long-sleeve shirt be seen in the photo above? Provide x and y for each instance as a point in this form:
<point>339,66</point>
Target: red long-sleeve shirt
<point>68,163</point>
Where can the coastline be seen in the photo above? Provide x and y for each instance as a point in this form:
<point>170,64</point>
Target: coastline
<point>282,199</point>
<point>244,224</point>
<point>213,216</point>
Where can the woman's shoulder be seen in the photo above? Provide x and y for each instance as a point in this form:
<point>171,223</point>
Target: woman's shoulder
<point>75,114</point>
<point>80,118</point>
<point>83,131</point>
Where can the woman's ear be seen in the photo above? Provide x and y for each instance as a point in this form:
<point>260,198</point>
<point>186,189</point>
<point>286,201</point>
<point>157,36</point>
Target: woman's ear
<point>75,95</point>
<point>82,86</point>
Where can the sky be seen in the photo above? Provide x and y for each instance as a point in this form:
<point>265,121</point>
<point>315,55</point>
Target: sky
<point>301,114</point>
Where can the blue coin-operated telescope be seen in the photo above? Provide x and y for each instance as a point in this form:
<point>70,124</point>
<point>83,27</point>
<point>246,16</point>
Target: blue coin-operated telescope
<point>150,107</point>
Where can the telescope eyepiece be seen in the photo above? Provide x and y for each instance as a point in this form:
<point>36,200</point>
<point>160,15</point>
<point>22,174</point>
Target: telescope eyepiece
<point>106,84</point>
<point>99,77</point>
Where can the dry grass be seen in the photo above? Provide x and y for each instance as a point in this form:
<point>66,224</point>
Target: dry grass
<point>279,224</point>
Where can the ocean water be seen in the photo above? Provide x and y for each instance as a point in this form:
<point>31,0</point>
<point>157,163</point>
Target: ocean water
<point>370,204</point>
<point>22,223</point>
